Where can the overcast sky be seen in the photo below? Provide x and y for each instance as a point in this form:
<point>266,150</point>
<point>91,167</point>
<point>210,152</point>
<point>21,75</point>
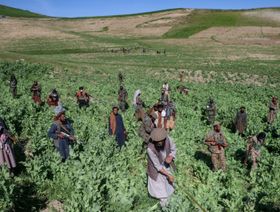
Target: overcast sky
<point>77,8</point>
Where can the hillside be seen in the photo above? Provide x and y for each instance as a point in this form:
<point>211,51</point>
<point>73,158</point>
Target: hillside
<point>14,12</point>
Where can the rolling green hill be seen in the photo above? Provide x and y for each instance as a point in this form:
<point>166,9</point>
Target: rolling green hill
<point>13,12</point>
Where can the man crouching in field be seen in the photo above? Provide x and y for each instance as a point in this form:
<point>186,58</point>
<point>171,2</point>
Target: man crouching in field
<point>161,153</point>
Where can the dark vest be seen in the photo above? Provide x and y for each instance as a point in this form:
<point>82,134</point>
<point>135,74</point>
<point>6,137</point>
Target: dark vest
<point>152,171</point>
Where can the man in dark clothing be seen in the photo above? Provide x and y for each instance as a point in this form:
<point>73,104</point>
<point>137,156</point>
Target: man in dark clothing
<point>36,91</point>
<point>122,98</point>
<point>61,132</point>
<point>211,111</point>
<point>146,128</point>
<point>116,127</point>
<point>83,97</point>
<point>13,85</point>
<point>240,121</point>
<point>53,99</point>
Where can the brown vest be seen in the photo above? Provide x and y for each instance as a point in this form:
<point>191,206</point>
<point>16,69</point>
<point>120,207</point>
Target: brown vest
<point>152,171</point>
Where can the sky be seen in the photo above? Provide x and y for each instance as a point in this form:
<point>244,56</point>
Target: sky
<point>79,8</point>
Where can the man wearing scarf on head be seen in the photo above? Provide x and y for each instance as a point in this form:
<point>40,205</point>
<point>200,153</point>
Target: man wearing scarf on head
<point>61,132</point>
<point>53,99</point>
<point>116,126</point>
<point>161,154</point>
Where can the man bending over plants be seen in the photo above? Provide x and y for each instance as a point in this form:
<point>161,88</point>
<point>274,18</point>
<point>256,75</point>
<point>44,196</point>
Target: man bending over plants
<point>161,154</point>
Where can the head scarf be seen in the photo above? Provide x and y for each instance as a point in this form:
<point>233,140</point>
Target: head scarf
<point>135,96</point>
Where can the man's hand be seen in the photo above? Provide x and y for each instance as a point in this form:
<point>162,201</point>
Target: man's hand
<point>171,179</point>
<point>72,138</point>
<point>169,159</point>
<point>60,135</point>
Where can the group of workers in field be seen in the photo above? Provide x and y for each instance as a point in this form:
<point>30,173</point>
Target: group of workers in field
<point>155,124</point>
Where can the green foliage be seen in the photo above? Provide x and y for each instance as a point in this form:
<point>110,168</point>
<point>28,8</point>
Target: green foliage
<point>100,177</point>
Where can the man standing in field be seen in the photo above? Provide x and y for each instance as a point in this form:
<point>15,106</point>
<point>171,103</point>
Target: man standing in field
<point>161,154</point>
<point>13,85</point>
<point>254,144</point>
<point>116,127</point>
<point>211,111</point>
<point>6,152</point>
<point>122,98</point>
<point>83,97</point>
<point>36,91</point>
<point>62,133</point>
<point>216,142</point>
<point>273,109</point>
<point>161,120</point>
<point>240,121</point>
<point>53,99</point>
<point>146,128</point>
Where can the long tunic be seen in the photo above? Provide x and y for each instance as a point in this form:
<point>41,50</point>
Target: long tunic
<point>6,152</point>
<point>240,121</point>
<point>160,188</point>
<point>116,127</point>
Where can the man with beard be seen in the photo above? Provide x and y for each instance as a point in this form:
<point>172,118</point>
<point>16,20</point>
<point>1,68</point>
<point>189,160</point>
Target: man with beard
<point>62,133</point>
<point>254,144</point>
<point>240,121</point>
<point>216,142</point>
<point>161,154</point>
<point>273,109</point>
<point>116,127</point>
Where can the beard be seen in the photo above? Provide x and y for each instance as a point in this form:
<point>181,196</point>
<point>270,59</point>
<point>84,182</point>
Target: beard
<point>159,146</point>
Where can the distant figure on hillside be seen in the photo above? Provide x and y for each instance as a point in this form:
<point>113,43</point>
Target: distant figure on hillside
<point>122,98</point>
<point>36,91</point>
<point>273,109</point>
<point>83,97</point>
<point>211,111</point>
<point>240,121</point>
<point>62,133</point>
<point>13,85</point>
<point>253,150</point>
<point>6,152</point>
<point>116,127</point>
<point>161,154</point>
<point>53,98</point>
<point>216,142</point>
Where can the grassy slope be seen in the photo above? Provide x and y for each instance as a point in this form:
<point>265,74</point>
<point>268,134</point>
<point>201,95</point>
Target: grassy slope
<point>13,12</point>
<point>203,19</point>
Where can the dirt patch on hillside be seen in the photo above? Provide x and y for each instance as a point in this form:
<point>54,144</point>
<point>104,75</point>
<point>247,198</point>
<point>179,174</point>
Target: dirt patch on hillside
<point>241,35</point>
<point>271,15</point>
